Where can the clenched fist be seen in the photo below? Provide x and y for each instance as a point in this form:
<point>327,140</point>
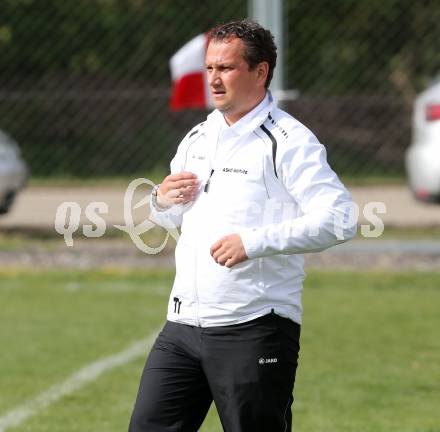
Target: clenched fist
<point>229,250</point>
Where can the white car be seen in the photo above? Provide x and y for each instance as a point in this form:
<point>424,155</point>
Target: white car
<point>13,172</point>
<point>423,156</point>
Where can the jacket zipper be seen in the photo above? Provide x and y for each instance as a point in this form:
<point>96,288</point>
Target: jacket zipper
<point>206,189</point>
<point>196,295</point>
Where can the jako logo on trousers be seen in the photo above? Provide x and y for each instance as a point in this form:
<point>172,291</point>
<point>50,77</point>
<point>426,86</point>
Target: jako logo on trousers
<point>262,361</point>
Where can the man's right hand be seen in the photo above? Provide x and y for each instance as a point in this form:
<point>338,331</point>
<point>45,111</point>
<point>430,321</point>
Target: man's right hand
<point>178,188</point>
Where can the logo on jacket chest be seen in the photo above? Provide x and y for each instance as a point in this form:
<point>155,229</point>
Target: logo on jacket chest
<point>235,170</point>
<point>198,157</point>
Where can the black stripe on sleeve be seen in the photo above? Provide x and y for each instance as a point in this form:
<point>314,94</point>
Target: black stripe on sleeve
<point>274,147</point>
<point>193,133</point>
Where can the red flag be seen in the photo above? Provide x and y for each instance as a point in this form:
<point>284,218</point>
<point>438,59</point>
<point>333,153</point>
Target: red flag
<point>190,89</point>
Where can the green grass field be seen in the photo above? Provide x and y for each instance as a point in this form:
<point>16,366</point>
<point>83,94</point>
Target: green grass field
<point>370,354</point>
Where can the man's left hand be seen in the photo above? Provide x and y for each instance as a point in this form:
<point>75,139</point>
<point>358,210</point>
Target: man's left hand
<point>229,250</point>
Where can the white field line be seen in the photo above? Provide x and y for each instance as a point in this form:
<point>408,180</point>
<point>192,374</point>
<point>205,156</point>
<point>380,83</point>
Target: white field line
<point>73,383</point>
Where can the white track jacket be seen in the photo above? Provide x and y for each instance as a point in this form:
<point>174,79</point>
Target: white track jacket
<point>267,179</point>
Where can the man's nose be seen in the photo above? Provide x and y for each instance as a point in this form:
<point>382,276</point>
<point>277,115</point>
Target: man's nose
<point>214,79</point>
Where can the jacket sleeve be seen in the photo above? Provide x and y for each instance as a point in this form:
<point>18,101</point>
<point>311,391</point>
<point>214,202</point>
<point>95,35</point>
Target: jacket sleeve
<point>327,214</point>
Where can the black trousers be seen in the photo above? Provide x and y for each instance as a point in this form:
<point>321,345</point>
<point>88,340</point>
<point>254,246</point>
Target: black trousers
<point>247,369</point>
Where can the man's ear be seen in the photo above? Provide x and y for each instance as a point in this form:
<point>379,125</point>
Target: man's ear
<point>263,71</point>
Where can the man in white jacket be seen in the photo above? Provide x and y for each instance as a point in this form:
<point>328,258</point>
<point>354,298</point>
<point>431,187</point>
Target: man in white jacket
<point>252,191</point>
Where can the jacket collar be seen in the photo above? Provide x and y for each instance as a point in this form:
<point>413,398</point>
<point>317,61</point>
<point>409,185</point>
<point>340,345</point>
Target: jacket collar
<point>248,123</point>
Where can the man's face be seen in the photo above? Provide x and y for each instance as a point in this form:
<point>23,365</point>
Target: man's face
<point>235,88</point>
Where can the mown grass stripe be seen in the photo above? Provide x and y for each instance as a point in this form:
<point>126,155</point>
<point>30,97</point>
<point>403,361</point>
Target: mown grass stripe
<point>73,383</point>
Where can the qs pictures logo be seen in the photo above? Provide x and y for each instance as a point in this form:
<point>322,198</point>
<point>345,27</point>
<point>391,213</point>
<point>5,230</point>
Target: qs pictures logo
<point>68,218</point>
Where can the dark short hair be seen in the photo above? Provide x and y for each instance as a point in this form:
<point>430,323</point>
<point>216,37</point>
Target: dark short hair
<point>259,43</point>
